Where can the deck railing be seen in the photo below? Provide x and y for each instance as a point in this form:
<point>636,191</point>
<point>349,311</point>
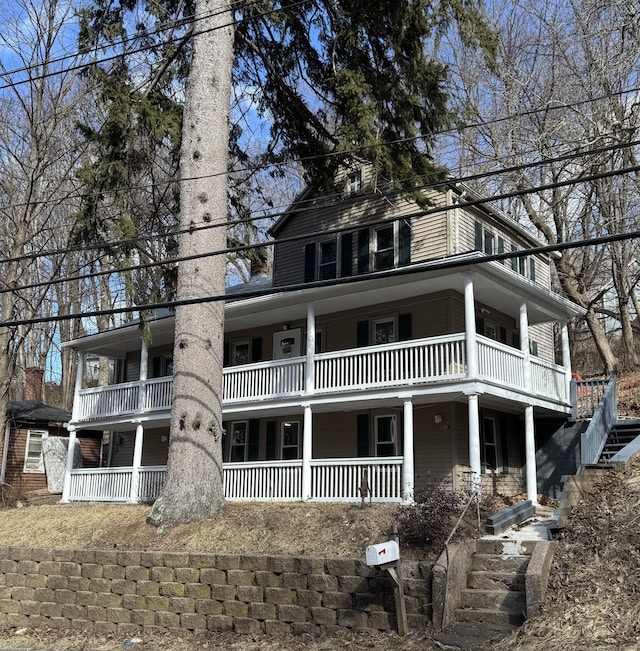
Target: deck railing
<point>593,439</point>
<point>332,480</point>
<point>420,361</point>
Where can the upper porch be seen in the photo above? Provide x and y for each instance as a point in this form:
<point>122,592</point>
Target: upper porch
<point>427,367</point>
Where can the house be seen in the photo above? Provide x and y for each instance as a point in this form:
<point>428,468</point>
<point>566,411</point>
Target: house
<point>395,344</point>
<point>29,422</point>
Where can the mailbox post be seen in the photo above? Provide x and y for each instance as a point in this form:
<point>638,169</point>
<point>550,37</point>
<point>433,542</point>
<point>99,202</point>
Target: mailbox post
<point>386,556</point>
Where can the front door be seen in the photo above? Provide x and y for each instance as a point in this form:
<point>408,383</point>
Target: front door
<point>286,344</point>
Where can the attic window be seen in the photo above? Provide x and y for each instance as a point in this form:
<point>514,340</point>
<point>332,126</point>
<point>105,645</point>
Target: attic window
<point>354,182</point>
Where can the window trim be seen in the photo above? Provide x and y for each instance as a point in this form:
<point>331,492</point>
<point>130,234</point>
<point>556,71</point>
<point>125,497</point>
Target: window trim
<point>244,446</point>
<point>353,183</point>
<point>234,346</point>
<point>43,435</point>
<point>387,319</point>
<point>297,446</point>
<point>335,262</point>
<point>394,434</point>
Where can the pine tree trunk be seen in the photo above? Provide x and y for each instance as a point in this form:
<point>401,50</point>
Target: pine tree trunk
<point>194,486</point>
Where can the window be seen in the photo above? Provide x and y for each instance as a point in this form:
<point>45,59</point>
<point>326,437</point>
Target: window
<point>239,353</point>
<point>354,182</point>
<point>384,331</point>
<point>489,444</point>
<point>290,440</point>
<point>488,243</point>
<point>384,253</point>
<point>328,264</point>
<point>385,436</point>
<point>238,444</point>
<point>33,461</point>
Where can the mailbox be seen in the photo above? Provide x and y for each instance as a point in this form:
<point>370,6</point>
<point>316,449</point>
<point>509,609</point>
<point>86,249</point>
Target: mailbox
<point>387,552</point>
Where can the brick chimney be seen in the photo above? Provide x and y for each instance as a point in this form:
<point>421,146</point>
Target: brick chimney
<point>33,383</point>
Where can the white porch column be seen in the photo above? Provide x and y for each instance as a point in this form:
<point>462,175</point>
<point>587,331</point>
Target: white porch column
<point>530,454</point>
<point>309,380</point>
<point>524,344</point>
<point>144,373</point>
<point>566,360</point>
<point>470,327</point>
<point>408,470</point>
<point>66,487</point>
<point>474,441</point>
<point>76,391</point>
<point>134,497</point>
<point>307,442</point>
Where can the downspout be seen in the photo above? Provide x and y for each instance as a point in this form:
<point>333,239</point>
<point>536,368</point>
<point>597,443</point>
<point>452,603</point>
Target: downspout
<point>5,451</point>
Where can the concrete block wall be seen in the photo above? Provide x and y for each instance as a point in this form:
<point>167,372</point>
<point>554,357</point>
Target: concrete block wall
<point>112,591</point>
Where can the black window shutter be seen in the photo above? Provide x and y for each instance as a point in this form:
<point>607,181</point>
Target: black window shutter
<point>157,367</point>
<point>516,340</point>
<point>227,354</point>
<point>503,335</point>
<point>514,261</point>
<point>504,449</point>
<point>404,243</point>
<point>404,327</point>
<point>310,262</point>
<point>479,325</point>
<point>363,251</point>
<point>253,445</point>
<point>362,334</point>
<point>346,255</point>
<point>363,435</point>
<point>478,236</point>
<point>271,440</point>
<point>501,246</point>
<point>256,349</point>
<point>532,270</point>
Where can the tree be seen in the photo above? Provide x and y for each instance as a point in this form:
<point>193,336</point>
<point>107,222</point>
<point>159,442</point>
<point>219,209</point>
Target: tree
<point>327,77</point>
<point>565,69</point>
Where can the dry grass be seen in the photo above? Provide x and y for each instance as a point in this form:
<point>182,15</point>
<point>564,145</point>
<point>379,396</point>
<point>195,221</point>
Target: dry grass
<point>266,528</point>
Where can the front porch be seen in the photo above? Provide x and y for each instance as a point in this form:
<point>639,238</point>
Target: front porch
<point>331,480</point>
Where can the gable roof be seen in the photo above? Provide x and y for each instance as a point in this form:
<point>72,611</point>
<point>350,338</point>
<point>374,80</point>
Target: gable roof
<point>35,411</point>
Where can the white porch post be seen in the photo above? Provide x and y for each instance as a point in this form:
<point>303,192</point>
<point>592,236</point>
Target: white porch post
<point>66,487</point>
<point>474,441</point>
<point>524,344</point>
<point>134,496</point>
<point>566,359</point>
<point>144,373</point>
<point>309,380</point>
<point>307,442</point>
<point>76,391</point>
<point>470,327</point>
<point>529,426</point>
<point>530,453</point>
<point>408,469</point>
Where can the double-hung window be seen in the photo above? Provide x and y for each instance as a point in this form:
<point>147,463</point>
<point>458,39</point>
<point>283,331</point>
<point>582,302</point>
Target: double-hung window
<point>290,440</point>
<point>33,461</point>
<point>238,444</point>
<point>384,331</point>
<point>385,436</point>
<point>328,261</point>
<point>384,247</point>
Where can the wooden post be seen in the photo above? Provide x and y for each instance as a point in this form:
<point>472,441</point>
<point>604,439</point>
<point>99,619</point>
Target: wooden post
<point>395,573</point>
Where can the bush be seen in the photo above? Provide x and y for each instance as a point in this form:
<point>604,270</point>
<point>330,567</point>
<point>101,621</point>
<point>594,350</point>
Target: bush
<point>430,519</point>
<point>8,496</point>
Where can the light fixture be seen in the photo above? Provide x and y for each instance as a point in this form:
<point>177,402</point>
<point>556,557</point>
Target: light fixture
<point>437,418</point>
<point>484,310</point>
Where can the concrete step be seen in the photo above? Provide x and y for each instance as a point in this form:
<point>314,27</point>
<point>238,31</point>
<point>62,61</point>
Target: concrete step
<point>503,563</point>
<point>484,580</point>
<point>505,547</point>
<point>489,616</point>
<point>509,600</point>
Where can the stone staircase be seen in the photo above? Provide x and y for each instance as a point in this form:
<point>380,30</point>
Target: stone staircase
<point>621,434</point>
<point>495,593</point>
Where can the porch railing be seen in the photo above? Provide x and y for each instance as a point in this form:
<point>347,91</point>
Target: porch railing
<point>593,439</point>
<point>332,480</point>
<point>340,480</point>
<point>419,361</point>
<point>441,358</point>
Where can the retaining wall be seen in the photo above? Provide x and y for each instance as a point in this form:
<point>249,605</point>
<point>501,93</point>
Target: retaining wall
<point>127,591</point>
